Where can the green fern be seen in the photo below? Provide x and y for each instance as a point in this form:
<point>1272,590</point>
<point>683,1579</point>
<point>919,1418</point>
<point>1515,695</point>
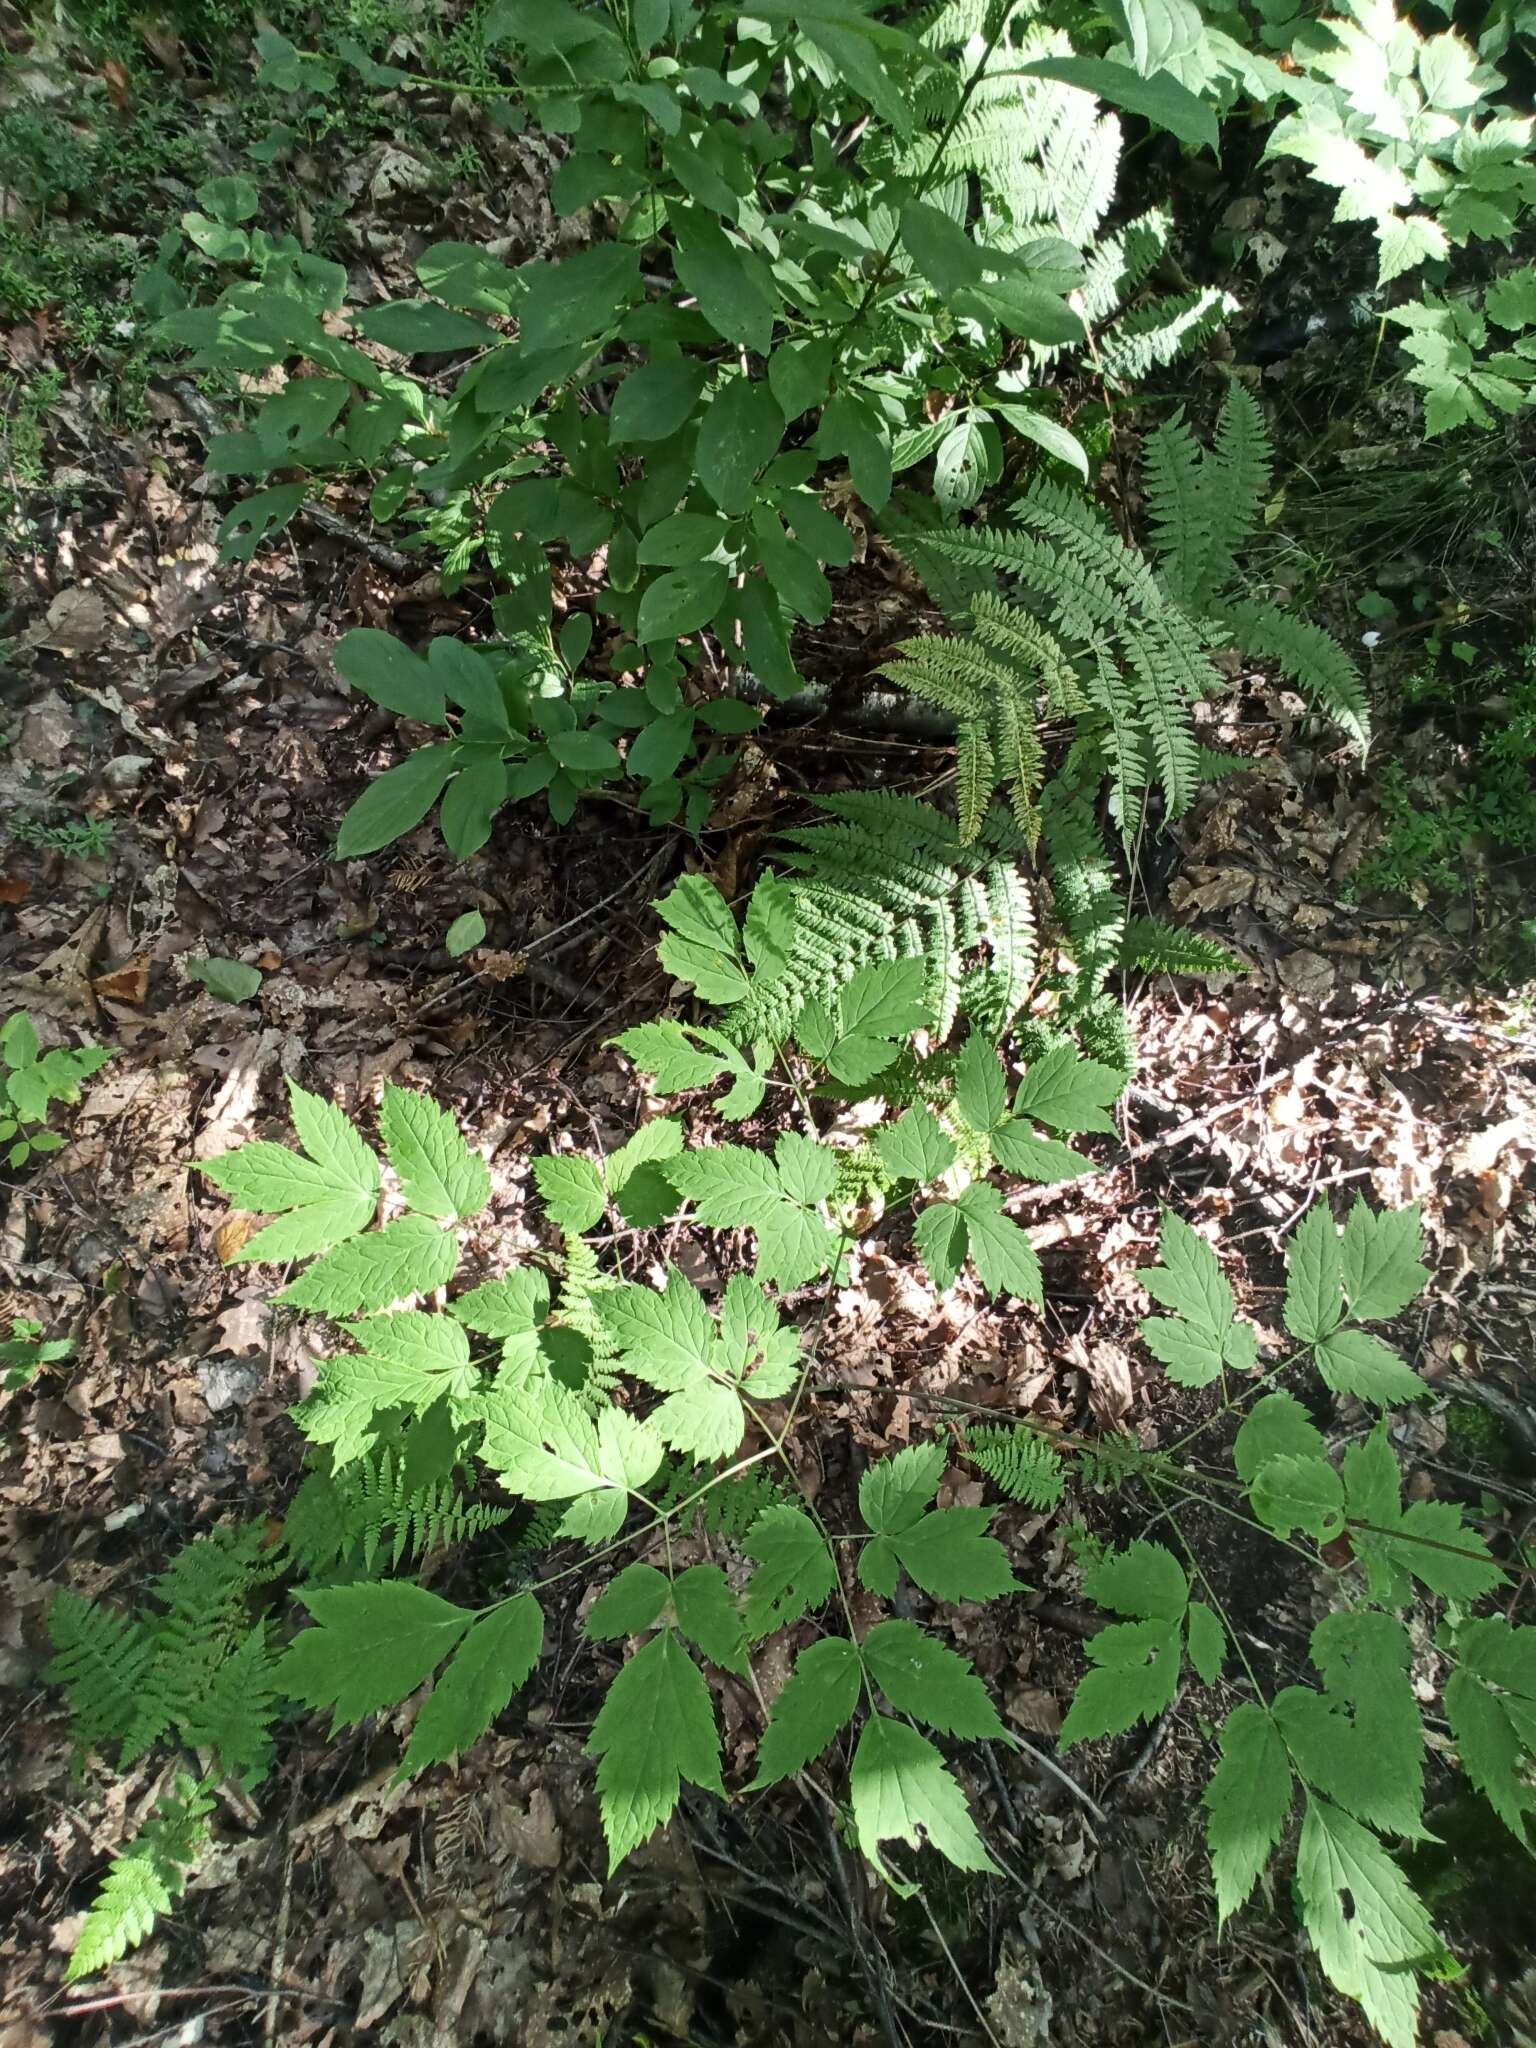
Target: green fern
<point>893,879</point>
<point>1152,337</point>
<point>388,1510</point>
<point>1306,656</point>
<point>1163,948</point>
<point>144,1881</point>
<point>1019,1461</point>
<point>726,1511</point>
<point>101,1660</point>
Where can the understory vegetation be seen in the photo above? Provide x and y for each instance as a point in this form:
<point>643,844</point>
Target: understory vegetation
<point>821,296</point>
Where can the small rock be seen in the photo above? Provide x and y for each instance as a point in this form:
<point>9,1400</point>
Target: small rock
<point>125,771</point>
<point>229,1382</point>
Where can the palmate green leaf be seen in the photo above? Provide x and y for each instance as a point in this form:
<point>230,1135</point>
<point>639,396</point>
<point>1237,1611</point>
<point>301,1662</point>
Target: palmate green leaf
<point>1246,1804</point>
<point>1355,1362</point>
<point>433,1347</point>
<point>541,1443</point>
<point>1314,1277</point>
<point>708,1614</point>
<point>901,1791</point>
<point>915,1147</point>
<point>1276,1425</point>
<point>816,1701</point>
<point>438,1173</point>
<point>412,1255</point>
<point>630,1604</point>
<point>1001,1253</point>
<point>328,1194</point>
<point>1360,1742</point>
<point>734,1188</point>
<point>1135,1677</point>
<point>355,1392</point>
<point>489,1665</point>
<point>656,1727</point>
<point>795,1571</point>
<point>924,1678</point>
<point>1382,1267</point>
<point>665,1050</point>
<point>371,1646</point>
<point>1292,1492</point>
<point>512,1306</point>
<point>571,1190</point>
<point>1364,1920</point>
<point>641,1192</point>
<point>1144,1580</point>
<point>947,1552</point>
<point>1189,1280</point>
<point>1067,1093</point>
<point>702,945</point>
<point>1490,1702</point>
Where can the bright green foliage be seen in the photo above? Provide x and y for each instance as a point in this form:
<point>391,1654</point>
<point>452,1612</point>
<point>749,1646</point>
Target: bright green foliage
<point>1490,1702</point>
<point>974,1225</point>
<point>858,1036</point>
<point>1374,1271</point>
<point>144,1880</point>
<point>408,1257</point>
<point>816,1702</point>
<point>1137,1660</point>
<point>1359,1741</point>
<point>31,1081</point>
<point>923,1678</point>
<point>781,1200</point>
<point>684,1056</point>
<point>1363,1919</point>
<point>795,1571</point>
<point>26,1351</point>
<point>1020,1462</point>
<point>1428,1540</point>
<point>439,1175</point>
<point>946,1551</point>
<point>370,1646</point>
<point>486,1667</point>
<point>901,1791</point>
<point>1445,340</point>
<point>656,1727</point>
<point>320,1196</point>
<point>1246,1802</point>
<point>670,1341</point>
<point>1203,1335</point>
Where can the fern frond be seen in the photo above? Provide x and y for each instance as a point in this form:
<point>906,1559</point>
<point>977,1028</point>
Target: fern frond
<point>582,1280</point>
<point>234,1713</point>
<point>1088,904</point>
<point>1163,948</point>
<point>1156,335</point>
<point>1120,263</point>
<point>727,1510</point>
<point>1180,504</point>
<point>205,1592</point>
<point>144,1881</point>
<point>1308,657</point>
<point>1045,153</point>
<point>1018,1461</point>
<point>1241,462</point>
<point>889,880</point>
<point>101,1660</point>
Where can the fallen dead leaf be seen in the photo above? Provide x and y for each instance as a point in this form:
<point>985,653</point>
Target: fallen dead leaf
<point>126,984</point>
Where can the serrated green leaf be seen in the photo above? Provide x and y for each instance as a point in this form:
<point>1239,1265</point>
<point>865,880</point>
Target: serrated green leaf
<point>706,1421</point>
<point>512,1306</point>
<point>1360,1742</point>
<point>940,1236</point>
<point>895,1491</point>
<point>1003,1257</point>
<point>371,1647</point>
<point>1205,1641</point>
<point>489,1665</point>
<point>924,1678</point>
<point>1246,1804</point>
<point>886,999</point>
<point>915,1147</point>
<point>629,1605</point>
<point>1192,1357</point>
<point>1276,1425</point>
<point>1293,1492</point>
<point>733,1187</point>
<point>628,1453</point>
<point>1382,1264</point>
<point>1018,1149</point>
<point>412,1255</point>
<point>795,1571</point>
<point>328,1194</point>
<point>707,1613</point>
<point>1428,1541</point>
<point>949,1554</point>
<point>704,946</point>
<point>769,928</point>
<point>347,1407</point>
<point>980,1090</point>
<point>571,1190</point>
<point>1314,1277</point>
<point>1355,1362</point>
<point>1189,1281</point>
<point>665,1339</point>
<point>1363,1918</point>
<point>815,1702</point>
<point>659,1139</point>
<point>1067,1093</point>
<point>666,1052</point>
<point>439,1174</point>
<point>1144,1580</point>
<point>1490,1702</point>
<point>431,1346</point>
<point>901,1791</point>
<point>1135,1676</point>
<point>656,1727</point>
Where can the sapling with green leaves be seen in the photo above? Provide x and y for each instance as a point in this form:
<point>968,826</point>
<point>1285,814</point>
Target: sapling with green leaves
<point>31,1081</point>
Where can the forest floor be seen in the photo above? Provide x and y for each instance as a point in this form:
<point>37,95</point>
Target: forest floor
<point>178,728</point>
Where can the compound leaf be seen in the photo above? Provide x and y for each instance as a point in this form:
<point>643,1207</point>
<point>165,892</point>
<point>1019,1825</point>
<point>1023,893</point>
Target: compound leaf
<point>656,1727</point>
<point>1382,1267</point>
<point>439,1174</point>
<point>1246,1803</point>
<point>371,1646</point>
<point>488,1666</point>
<point>410,1256</point>
<point>1314,1277</point>
<point>795,1571</point>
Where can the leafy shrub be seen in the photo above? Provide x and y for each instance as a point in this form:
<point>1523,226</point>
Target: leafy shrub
<point>31,1081</point>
